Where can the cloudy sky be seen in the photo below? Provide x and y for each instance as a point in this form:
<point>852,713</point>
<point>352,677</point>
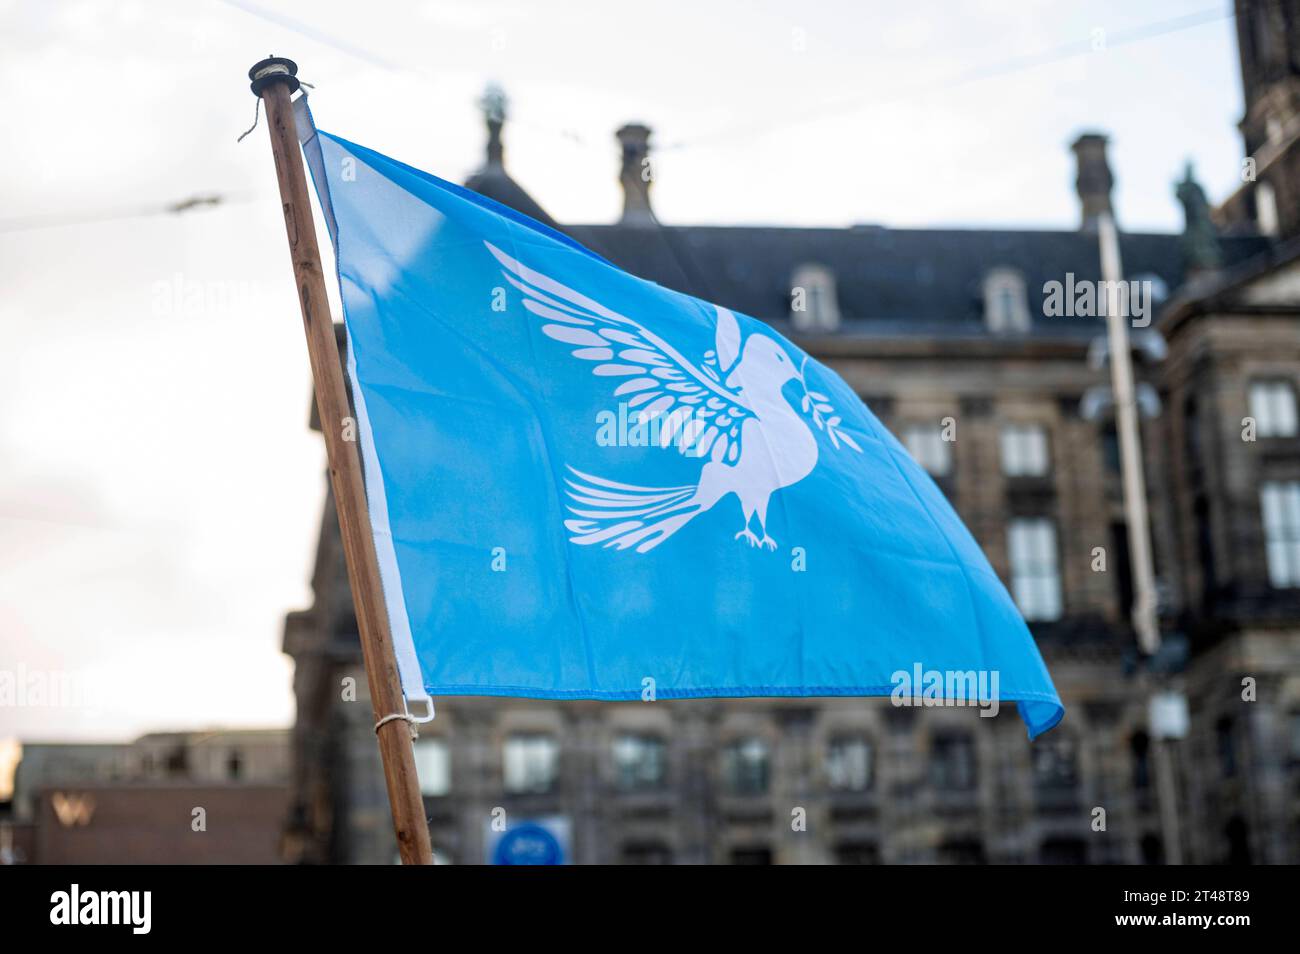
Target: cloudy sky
<point>159,489</point>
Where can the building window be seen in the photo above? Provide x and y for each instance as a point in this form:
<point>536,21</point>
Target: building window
<point>1006,307</point>
<point>1280,506</point>
<point>433,767</point>
<point>848,764</point>
<point>647,853</point>
<point>1056,771</point>
<point>813,305</point>
<point>1035,573</point>
<point>531,763</point>
<point>952,763</point>
<point>751,855</point>
<point>857,853</point>
<point>1024,450</point>
<point>1110,448</point>
<point>929,449</point>
<point>1272,405</point>
<point>178,762</point>
<point>639,762</point>
<point>1266,208</point>
<point>745,766</point>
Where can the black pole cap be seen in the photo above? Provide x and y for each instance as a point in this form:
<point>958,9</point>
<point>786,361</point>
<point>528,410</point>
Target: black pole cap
<point>274,69</point>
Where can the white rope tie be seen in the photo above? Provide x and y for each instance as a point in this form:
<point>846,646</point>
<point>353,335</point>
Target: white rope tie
<point>275,69</point>
<point>399,716</point>
<point>257,110</point>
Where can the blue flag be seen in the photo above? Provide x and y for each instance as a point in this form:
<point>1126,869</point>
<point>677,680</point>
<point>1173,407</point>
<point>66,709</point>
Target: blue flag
<point>584,485</point>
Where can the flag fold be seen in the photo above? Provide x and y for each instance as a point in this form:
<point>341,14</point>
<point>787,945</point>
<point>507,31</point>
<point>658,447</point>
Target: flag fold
<point>583,485</point>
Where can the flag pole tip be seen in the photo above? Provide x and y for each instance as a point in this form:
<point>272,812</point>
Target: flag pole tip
<point>273,69</point>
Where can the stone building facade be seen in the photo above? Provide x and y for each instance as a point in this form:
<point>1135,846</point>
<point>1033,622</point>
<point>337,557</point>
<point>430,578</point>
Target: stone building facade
<point>136,802</point>
<point>947,336</point>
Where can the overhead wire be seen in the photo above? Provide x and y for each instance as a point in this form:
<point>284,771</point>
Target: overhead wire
<point>1009,66</point>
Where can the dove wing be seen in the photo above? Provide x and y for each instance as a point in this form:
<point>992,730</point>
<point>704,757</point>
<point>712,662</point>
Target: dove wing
<point>728,340</point>
<point>692,404</point>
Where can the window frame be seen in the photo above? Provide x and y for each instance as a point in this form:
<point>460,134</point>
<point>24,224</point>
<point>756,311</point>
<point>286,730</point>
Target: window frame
<point>821,298</point>
<point>1044,568</point>
<point>925,433</point>
<point>1006,302</point>
<point>1273,405</point>
<point>945,780</point>
<point>540,742</point>
<point>422,749</point>
<point>1280,521</point>
<point>841,741</point>
<point>638,782</point>
<point>734,770</point>
<point>1030,440</point>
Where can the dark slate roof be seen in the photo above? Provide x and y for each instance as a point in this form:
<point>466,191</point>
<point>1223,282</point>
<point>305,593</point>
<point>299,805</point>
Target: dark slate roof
<point>494,182</point>
<point>1221,288</point>
<point>888,281</point>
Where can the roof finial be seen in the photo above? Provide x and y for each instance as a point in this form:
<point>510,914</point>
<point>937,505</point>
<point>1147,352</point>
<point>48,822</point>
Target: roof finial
<point>493,102</point>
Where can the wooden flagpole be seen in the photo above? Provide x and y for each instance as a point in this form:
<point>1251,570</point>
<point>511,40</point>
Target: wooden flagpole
<point>274,80</point>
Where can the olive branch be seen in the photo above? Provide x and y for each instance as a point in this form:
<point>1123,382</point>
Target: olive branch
<point>817,405</point>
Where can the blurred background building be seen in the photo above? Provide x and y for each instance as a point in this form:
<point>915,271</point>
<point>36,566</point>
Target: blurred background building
<point>214,797</point>
<point>932,325</point>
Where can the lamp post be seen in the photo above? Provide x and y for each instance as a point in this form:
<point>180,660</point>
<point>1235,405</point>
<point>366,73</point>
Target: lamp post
<point>1167,710</point>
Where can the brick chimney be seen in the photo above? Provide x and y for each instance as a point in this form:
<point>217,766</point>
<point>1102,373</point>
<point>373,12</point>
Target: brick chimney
<point>636,175</point>
<point>1094,180</point>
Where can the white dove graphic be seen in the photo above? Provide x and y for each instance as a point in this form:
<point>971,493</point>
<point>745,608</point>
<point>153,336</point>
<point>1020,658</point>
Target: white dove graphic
<point>729,411</point>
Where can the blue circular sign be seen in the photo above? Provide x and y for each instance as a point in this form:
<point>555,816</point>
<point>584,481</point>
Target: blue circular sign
<point>528,844</point>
